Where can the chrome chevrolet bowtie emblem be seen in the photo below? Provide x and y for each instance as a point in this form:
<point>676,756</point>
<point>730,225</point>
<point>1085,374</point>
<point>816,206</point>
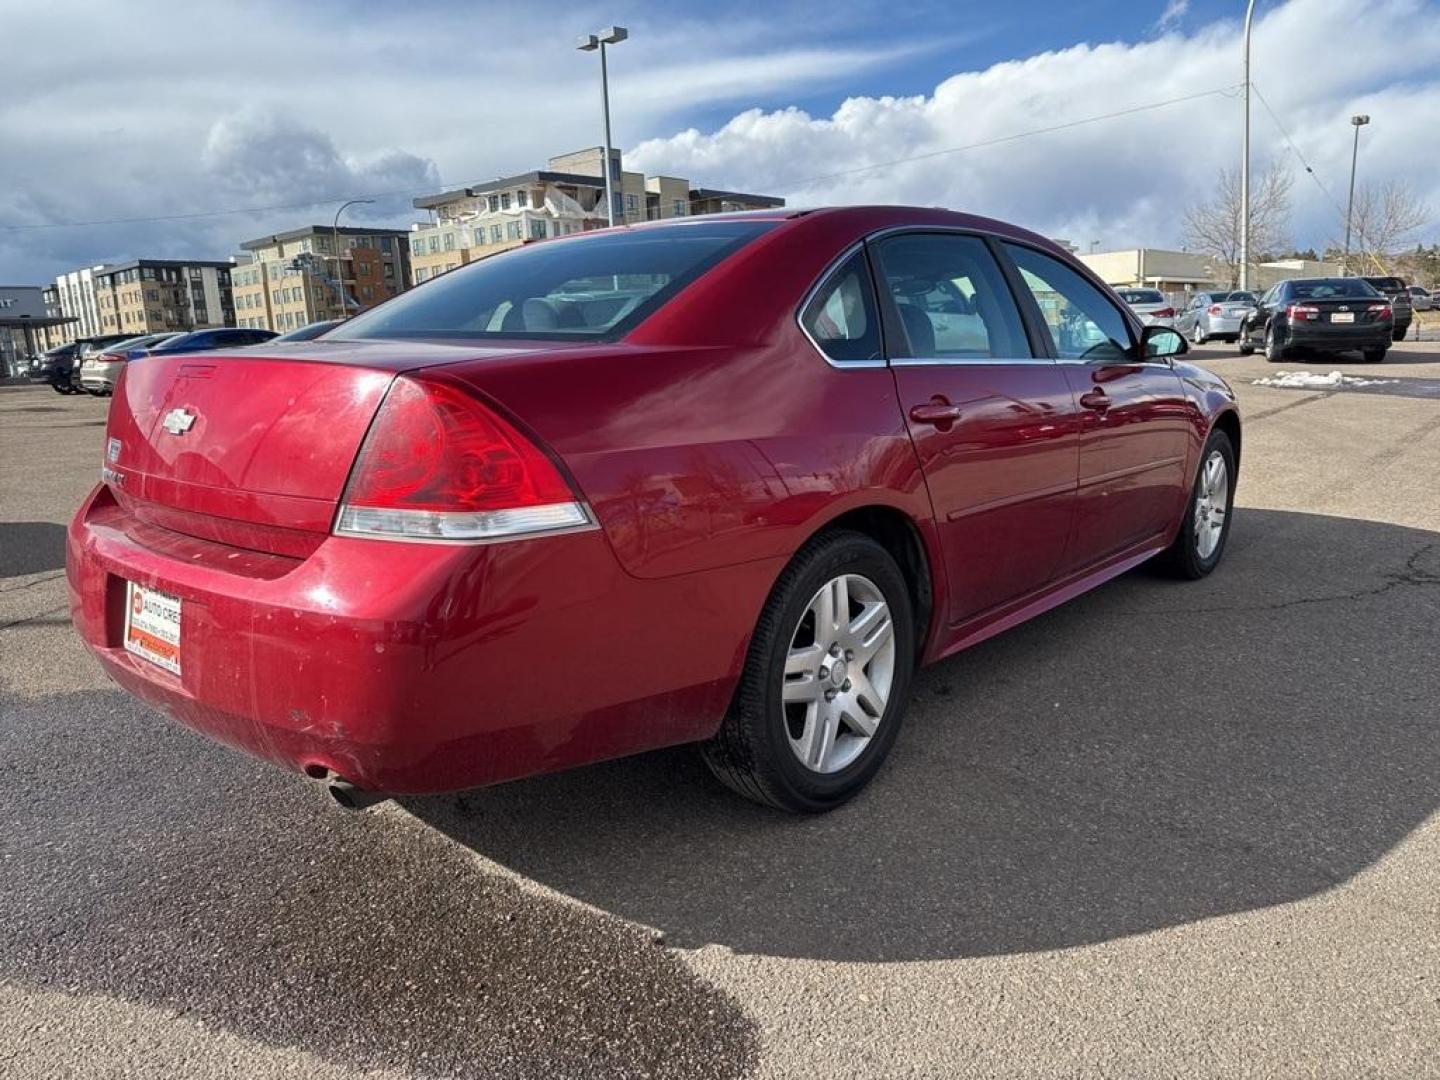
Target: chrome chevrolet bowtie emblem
<point>178,421</point>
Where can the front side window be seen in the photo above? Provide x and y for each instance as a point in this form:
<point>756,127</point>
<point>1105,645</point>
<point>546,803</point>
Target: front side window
<point>951,297</point>
<point>1083,324</point>
<point>841,318</point>
<point>592,287</point>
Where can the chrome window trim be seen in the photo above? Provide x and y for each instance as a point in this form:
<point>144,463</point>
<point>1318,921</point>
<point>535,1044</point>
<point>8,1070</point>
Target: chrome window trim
<point>821,280</point>
<point>967,361</point>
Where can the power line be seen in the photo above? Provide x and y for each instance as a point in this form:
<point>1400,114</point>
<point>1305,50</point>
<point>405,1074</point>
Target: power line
<point>803,183</point>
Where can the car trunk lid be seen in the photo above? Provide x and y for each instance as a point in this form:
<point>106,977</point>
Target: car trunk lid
<point>251,449</point>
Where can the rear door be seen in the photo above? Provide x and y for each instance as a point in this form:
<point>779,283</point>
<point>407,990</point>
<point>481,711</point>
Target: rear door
<point>1135,418</point>
<point>992,419</point>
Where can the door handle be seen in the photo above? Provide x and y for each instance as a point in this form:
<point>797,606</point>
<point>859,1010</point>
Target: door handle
<point>940,413</point>
<point>1096,400</point>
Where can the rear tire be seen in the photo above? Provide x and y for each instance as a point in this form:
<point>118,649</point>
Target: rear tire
<point>794,735</point>
<point>1274,351</point>
<point>1198,336</point>
<point>1198,546</point>
<point>1375,356</point>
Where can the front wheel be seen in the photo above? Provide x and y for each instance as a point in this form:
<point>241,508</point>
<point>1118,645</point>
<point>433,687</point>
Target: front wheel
<point>1200,542</point>
<point>826,679</point>
<point>1198,336</point>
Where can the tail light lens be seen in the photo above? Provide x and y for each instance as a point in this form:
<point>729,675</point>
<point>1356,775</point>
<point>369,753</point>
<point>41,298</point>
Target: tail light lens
<point>1302,313</point>
<point>1380,311</point>
<point>1213,309</point>
<point>438,465</point>
<point>1165,313</point>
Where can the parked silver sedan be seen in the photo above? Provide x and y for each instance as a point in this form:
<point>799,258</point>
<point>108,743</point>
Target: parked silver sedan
<point>1150,305</point>
<point>1420,300</point>
<point>100,370</point>
<point>1216,315</point>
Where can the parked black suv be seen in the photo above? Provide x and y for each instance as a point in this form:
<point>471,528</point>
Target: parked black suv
<point>1399,294</point>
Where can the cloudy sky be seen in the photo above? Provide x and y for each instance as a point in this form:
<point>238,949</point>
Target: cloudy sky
<point>1095,120</point>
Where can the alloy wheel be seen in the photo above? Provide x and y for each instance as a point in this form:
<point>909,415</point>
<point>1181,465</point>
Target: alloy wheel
<point>838,673</point>
<point>1211,503</point>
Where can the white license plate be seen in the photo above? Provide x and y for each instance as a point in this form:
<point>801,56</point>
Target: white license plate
<point>1343,316</point>
<point>152,626</point>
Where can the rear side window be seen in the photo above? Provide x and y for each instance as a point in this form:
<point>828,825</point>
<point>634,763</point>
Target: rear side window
<point>951,297</point>
<point>841,317</point>
<point>1083,323</point>
<point>585,287</point>
<point>1141,296</point>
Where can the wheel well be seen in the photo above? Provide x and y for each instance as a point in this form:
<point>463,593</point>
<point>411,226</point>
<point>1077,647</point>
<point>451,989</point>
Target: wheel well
<point>896,533</point>
<point>1229,423</point>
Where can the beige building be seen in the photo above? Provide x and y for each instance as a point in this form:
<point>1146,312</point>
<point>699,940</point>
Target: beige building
<point>150,296</point>
<point>285,281</point>
<point>1177,273</point>
<point>567,197</point>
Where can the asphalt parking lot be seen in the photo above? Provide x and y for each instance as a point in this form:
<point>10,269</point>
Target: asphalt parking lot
<point>1167,830</point>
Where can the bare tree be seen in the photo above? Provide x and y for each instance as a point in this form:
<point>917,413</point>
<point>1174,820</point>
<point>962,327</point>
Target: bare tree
<point>1383,218</point>
<point>1212,225</point>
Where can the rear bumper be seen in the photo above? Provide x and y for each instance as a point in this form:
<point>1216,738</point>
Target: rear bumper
<point>99,377</point>
<point>410,668</point>
<point>1330,339</point>
<point>1220,327</point>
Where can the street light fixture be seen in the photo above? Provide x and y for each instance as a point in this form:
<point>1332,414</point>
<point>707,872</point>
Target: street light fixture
<point>1359,122</point>
<point>611,35</point>
<point>339,268</point>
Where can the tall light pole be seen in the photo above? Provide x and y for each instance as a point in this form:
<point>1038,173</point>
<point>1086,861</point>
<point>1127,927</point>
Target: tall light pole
<point>335,239</point>
<point>1358,122</point>
<point>611,35</point>
<point>1245,162</point>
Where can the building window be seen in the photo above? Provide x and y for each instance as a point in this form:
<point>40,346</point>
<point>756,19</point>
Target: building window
<point>537,228</point>
<point>512,230</point>
<point>434,244</point>
<point>385,244</point>
<point>495,234</point>
<point>677,208</point>
<point>417,246</point>
<point>632,202</point>
<point>449,241</point>
<point>505,201</point>
<point>389,270</point>
<point>494,203</point>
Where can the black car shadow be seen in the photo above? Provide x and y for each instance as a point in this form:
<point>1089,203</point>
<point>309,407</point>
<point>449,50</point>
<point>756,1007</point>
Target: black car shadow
<point>1151,754</point>
<point>31,547</point>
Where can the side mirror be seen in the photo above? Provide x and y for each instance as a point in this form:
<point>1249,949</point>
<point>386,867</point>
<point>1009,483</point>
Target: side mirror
<point>1160,342</point>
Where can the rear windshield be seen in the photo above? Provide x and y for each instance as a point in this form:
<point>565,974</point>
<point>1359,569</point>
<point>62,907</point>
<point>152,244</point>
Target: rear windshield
<point>584,288</point>
<point>1245,297</point>
<point>1386,283</point>
<point>1349,288</point>
<point>1141,296</point>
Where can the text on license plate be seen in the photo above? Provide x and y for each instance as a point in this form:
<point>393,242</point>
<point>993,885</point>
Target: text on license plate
<point>152,626</point>
<point>1343,316</point>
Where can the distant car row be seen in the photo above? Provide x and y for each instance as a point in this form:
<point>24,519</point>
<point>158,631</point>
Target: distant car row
<point>1318,314</point>
<point>93,364</point>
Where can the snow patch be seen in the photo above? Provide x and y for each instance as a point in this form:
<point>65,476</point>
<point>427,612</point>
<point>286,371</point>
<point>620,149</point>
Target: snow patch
<point>1311,380</point>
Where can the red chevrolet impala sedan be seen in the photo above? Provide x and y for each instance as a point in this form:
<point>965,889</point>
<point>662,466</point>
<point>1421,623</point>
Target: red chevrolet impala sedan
<point>723,480</point>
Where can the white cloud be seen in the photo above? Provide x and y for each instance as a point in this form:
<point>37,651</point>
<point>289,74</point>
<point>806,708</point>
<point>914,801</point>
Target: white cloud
<point>245,103</point>
<point>1121,181</point>
<point>1175,10</point>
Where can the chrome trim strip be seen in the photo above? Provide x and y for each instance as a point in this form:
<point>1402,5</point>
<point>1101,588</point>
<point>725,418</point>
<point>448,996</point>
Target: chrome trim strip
<point>821,281</point>
<point>1130,470</point>
<point>968,361</point>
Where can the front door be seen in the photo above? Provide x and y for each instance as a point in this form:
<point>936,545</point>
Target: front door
<point>995,424</point>
<point>1136,422</point>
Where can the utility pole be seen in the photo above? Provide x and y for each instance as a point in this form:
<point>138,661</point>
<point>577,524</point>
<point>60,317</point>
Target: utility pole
<point>339,267</point>
<point>1245,162</point>
<point>1358,122</point>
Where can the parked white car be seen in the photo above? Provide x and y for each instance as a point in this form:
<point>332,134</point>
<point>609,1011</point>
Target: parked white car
<point>1420,300</point>
<point>1150,305</point>
<point>1215,315</point>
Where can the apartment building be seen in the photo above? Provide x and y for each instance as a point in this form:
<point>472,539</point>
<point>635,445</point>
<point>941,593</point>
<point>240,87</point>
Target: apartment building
<point>567,197</point>
<point>285,281</point>
<point>151,296</point>
<point>76,294</point>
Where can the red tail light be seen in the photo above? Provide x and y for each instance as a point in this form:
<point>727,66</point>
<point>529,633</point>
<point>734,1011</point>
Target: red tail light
<point>438,465</point>
<point>1380,311</point>
<point>1302,313</point>
<point>1164,313</point>
<point>1213,309</point>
